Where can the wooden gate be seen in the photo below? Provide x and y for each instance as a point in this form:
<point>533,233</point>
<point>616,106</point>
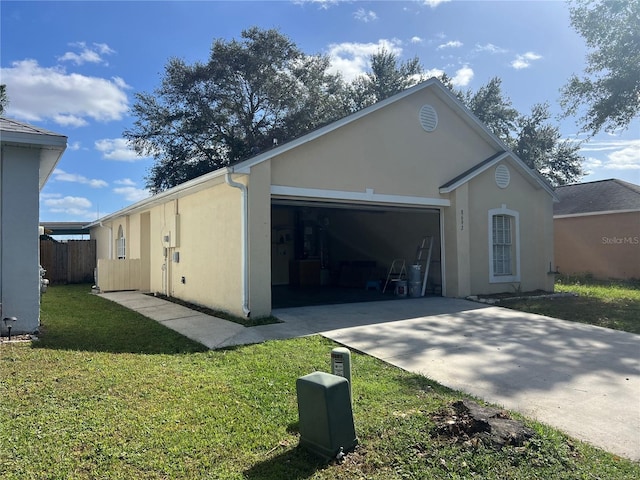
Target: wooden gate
<point>72,261</point>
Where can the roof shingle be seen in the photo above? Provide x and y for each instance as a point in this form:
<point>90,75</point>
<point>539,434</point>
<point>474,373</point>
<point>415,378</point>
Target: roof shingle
<point>600,196</point>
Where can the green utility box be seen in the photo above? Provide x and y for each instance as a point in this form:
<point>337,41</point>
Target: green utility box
<point>326,417</point>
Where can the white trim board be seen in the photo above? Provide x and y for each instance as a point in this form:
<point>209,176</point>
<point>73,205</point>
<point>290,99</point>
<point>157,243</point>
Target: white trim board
<point>367,196</point>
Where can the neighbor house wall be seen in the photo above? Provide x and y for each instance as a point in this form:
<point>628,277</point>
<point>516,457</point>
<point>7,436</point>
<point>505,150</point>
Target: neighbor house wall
<point>605,245</point>
<point>19,240</point>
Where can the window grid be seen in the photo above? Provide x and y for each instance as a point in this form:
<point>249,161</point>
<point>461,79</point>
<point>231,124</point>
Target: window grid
<point>502,245</point>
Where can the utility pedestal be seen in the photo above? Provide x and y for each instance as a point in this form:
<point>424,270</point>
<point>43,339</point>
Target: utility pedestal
<point>325,414</point>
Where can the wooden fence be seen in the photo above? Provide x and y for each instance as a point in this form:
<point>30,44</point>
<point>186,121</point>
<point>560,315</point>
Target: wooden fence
<point>73,261</point>
<point>119,274</point>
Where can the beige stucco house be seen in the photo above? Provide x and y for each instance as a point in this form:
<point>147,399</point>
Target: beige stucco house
<point>597,229</point>
<point>334,208</point>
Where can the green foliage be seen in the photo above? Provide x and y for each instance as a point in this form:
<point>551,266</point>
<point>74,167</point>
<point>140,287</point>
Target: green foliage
<point>250,93</point>
<point>610,304</point>
<point>386,77</point>
<point>539,144</point>
<point>4,101</point>
<point>610,87</point>
<point>531,137</point>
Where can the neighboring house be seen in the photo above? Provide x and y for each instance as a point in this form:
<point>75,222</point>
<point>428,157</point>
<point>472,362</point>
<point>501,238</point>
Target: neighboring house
<point>597,229</point>
<point>29,155</point>
<point>336,206</point>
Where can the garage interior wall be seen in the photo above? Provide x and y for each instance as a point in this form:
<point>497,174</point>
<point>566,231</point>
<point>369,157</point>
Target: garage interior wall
<point>343,241</point>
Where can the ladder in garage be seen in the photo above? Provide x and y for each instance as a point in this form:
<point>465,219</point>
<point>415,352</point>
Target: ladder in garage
<point>397,272</point>
<point>423,258</point>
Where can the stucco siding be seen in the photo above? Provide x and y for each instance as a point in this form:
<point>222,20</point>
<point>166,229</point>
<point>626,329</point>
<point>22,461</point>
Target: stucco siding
<point>204,265</point>
<point>259,255</point>
<point>387,151</point>
<point>605,246</point>
<point>20,279</point>
<point>533,207</point>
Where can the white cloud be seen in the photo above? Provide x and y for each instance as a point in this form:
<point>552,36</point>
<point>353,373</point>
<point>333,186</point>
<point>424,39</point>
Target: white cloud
<point>365,16</point>
<point>132,194</point>
<point>416,39</point>
<point>434,72</point>
<point>352,59</point>
<point>434,3</point>
<point>322,4</point>
<point>69,99</point>
<point>450,44</point>
<point>64,203</point>
<point>73,146</point>
<point>117,149</point>
<point>463,76</point>
<point>624,154</point>
<point>491,48</point>
<point>62,176</point>
<point>87,54</point>
<point>125,181</point>
<point>591,163</point>
<point>524,60</point>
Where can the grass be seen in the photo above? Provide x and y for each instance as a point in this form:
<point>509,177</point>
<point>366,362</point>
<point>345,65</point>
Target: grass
<point>610,304</point>
<point>107,393</point>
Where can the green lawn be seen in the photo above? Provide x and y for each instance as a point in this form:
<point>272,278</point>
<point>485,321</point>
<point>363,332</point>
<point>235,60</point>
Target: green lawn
<point>107,393</point>
<point>610,304</point>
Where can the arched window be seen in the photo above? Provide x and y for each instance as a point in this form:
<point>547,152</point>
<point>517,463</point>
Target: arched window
<point>504,245</point>
<point>120,244</point>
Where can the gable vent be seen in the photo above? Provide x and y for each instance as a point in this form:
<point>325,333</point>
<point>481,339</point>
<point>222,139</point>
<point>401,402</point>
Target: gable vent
<point>428,118</point>
<point>503,176</point>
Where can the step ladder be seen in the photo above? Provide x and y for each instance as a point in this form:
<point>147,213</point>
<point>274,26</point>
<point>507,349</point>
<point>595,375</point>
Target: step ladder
<point>397,272</point>
<point>423,258</point>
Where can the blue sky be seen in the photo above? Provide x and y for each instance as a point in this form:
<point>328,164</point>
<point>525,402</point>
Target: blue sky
<point>74,67</point>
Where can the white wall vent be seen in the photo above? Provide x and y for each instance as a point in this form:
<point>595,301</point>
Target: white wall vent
<point>503,176</point>
<point>428,118</point>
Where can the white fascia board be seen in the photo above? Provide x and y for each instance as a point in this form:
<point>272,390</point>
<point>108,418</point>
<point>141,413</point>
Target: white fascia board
<point>34,139</point>
<point>474,173</point>
<point>593,214</point>
<point>367,196</point>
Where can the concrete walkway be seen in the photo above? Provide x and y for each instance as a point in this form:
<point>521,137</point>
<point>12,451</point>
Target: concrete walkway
<point>581,379</point>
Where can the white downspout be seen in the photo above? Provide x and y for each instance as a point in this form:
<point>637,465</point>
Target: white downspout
<point>245,241</point>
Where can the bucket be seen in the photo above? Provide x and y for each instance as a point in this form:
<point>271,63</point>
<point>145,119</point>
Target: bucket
<point>401,288</point>
<point>415,273</point>
<point>415,289</point>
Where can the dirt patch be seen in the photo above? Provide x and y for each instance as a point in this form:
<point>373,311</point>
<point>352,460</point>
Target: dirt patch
<point>469,423</point>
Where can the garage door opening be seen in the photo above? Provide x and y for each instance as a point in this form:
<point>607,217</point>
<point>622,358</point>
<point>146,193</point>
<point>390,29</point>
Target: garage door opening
<point>342,253</point>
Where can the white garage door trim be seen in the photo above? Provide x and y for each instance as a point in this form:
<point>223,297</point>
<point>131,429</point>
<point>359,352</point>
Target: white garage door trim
<point>367,196</point>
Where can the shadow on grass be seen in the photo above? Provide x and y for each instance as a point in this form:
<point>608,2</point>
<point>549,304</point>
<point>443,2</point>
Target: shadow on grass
<point>294,464</point>
<point>74,319</point>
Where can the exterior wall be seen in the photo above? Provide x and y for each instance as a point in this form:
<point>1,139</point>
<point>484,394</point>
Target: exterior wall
<point>387,151</point>
<point>209,246</point>
<point>606,246</point>
<point>259,256</point>
<point>19,241</point>
<point>534,207</point>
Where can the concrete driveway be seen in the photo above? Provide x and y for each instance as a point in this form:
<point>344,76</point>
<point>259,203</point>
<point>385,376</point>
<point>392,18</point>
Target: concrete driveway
<point>581,379</point>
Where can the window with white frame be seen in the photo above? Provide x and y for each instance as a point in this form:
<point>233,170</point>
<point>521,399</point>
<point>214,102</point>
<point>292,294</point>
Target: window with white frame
<point>120,244</point>
<point>504,245</point>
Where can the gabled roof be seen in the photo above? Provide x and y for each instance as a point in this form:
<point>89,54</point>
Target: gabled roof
<point>476,170</point>
<point>13,132</point>
<point>610,195</point>
<point>442,92</point>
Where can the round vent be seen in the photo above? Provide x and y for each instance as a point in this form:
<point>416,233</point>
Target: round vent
<point>428,118</point>
<point>503,177</point>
